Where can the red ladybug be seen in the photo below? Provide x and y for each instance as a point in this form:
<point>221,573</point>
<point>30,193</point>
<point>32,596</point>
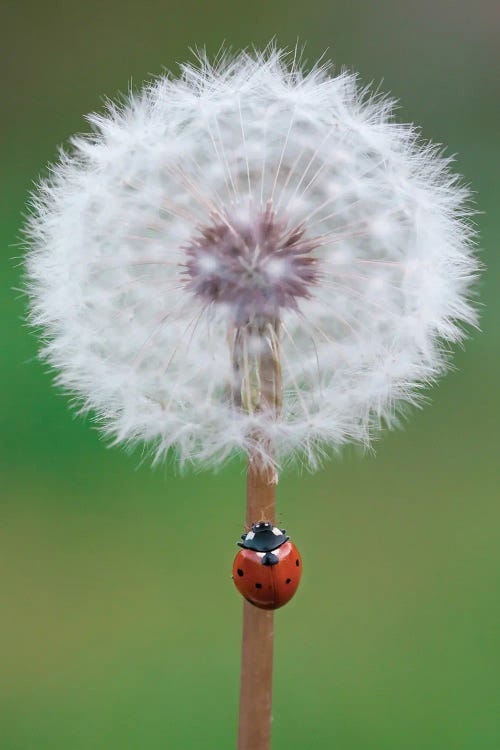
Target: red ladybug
<point>267,570</point>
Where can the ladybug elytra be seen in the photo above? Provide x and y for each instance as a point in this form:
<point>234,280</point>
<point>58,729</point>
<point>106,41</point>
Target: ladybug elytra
<point>267,570</point>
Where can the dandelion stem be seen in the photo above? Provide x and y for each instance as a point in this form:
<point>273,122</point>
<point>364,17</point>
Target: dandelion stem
<point>254,731</point>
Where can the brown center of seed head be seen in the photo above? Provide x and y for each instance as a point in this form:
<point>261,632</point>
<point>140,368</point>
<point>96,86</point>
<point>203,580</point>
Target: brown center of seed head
<point>255,266</point>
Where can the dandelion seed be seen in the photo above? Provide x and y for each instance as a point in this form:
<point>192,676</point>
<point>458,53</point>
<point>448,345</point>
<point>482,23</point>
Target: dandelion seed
<point>310,263</point>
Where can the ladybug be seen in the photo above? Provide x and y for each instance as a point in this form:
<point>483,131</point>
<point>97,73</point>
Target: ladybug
<point>267,570</point>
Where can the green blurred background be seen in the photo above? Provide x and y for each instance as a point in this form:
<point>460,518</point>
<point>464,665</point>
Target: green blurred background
<point>119,624</point>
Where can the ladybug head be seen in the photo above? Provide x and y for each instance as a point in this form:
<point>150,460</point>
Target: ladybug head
<point>262,526</point>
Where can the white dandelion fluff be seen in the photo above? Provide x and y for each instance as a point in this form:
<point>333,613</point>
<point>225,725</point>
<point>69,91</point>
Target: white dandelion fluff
<point>249,213</point>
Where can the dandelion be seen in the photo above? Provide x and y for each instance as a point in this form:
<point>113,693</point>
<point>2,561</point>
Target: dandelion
<point>250,258</point>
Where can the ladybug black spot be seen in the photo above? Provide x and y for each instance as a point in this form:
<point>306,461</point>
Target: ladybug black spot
<point>258,585</point>
<point>240,572</point>
<point>297,563</point>
<point>288,580</point>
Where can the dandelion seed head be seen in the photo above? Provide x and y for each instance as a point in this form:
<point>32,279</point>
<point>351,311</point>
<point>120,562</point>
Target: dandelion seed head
<point>249,209</point>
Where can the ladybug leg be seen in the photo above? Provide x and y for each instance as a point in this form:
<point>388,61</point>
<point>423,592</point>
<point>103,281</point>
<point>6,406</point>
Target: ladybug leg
<point>270,559</point>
